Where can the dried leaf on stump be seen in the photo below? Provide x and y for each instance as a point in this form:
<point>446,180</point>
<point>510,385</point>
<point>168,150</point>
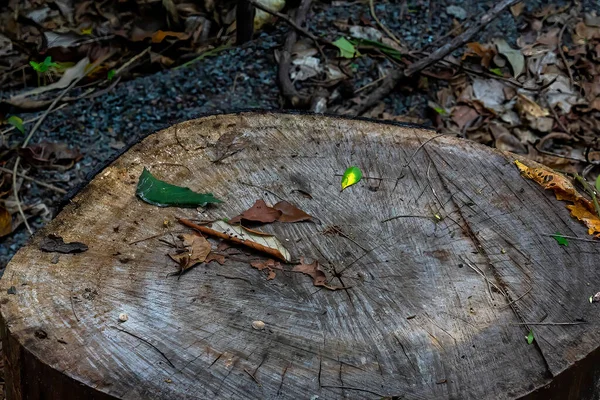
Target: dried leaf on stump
<point>237,234</point>
<point>582,208</point>
<point>197,249</point>
<point>316,273</point>
<point>291,213</point>
<point>220,258</point>
<point>56,244</point>
<point>269,265</point>
<point>259,212</point>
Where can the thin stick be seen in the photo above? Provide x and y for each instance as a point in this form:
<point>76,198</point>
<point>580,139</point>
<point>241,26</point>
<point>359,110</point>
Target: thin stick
<point>131,61</point>
<point>383,27</point>
<point>353,388</point>
<point>28,178</point>
<point>72,306</point>
<point>413,156</point>
<point>518,298</point>
<point>562,54</point>
<point>145,341</point>
<point>27,121</point>
<point>404,216</point>
<point>294,25</point>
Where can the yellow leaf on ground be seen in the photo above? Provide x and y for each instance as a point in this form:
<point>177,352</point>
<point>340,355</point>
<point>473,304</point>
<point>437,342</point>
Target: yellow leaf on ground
<point>582,208</point>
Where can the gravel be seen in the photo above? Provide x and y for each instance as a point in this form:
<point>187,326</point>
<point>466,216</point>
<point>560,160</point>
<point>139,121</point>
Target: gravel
<point>235,79</point>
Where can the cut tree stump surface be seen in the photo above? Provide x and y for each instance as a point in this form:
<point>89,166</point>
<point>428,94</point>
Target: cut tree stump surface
<point>422,315</point>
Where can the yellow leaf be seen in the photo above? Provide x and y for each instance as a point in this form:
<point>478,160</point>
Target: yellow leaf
<point>5,222</point>
<point>352,176</point>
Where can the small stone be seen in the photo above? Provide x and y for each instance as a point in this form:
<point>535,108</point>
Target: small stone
<point>258,325</point>
<point>123,317</point>
<point>12,290</point>
<point>457,12</point>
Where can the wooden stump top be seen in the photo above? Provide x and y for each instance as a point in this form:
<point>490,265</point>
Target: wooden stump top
<point>424,259</point>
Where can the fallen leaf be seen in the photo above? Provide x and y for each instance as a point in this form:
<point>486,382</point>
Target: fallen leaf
<point>237,234</point>
<point>530,337</point>
<point>560,239</point>
<point>5,222</point>
<point>270,265</point>
<point>16,122</point>
<point>463,116</point>
<point>56,244</point>
<point>347,49</point>
<point>514,57</point>
<point>215,257</point>
<point>490,92</point>
<point>505,141</point>
<point>528,107</point>
<point>517,9</point>
<point>582,208</point>
<point>261,17</point>
<point>315,272</point>
<point>50,153</point>
<point>163,194</point>
<point>290,213</point>
<point>159,36</point>
<point>259,212</point>
<point>351,176</point>
<point>305,67</point>
<point>483,51</point>
<point>197,249</point>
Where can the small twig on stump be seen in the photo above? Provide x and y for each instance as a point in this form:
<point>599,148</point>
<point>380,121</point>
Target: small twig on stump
<point>285,61</point>
<point>244,14</point>
<point>395,76</point>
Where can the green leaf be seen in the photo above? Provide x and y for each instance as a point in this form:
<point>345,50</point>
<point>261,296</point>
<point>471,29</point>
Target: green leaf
<point>496,71</point>
<point>440,110</point>
<point>560,239</point>
<point>163,194</point>
<point>385,49</point>
<point>44,65</point>
<point>347,49</point>
<point>598,185</point>
<point>352,176</point>
<point>111,74</point>
<point>16,122</point>
<point>530,337</point>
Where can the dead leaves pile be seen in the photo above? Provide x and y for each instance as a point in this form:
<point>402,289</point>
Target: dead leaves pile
<point>539,97</point>
<point>195,248</point>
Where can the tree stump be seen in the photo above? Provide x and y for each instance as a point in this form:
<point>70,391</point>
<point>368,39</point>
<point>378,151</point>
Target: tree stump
<point>443,249</point>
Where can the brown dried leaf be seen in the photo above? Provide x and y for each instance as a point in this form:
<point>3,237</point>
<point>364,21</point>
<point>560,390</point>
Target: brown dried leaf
<point>464,116</point>
<point>270,265</point>
<point>197,248</point>
<point>528,107</point>
<point>483,51</point>
<point>259,212</point>
<point>517,9</point>
<point>5,222</point>
<point>220,258</point>
<point>315,272</point>
<point>290,213</point>
<point>50,153</point>
<point>56,244</point>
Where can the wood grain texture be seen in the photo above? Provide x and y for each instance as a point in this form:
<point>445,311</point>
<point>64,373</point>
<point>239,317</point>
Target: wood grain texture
<point>416,321</point>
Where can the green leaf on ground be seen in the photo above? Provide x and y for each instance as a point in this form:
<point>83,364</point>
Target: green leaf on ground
<point>530,337</point>
<point>347,49</point>
<point>598,184</point>
<point>352,176</point>
<point>44,65</point>
<point>496,71</point>
<point>163,194</point>
<point>560,239</point>
<point>16,122</point>
<point>440,110</point>
<point>385,49</point>
<point>111,74</point>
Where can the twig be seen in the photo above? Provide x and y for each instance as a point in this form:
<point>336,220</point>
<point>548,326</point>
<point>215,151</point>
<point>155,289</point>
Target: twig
<point>72,306</point>
<point>40,183</point>
<point>294,25</point>
<point>404,216</point>
<point>562,54</point>
<point>383,27</point>
<point>549,323</point>
<point>153,237</point>
<point>518,298</point>
<point>131,61</point>
<point>27,121</point>
<point>145,341</point>
<point>590,191</point>
<point>395,76</point>
<point>235,277</point>
<point>558,121</point>
<point>288,89</point>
